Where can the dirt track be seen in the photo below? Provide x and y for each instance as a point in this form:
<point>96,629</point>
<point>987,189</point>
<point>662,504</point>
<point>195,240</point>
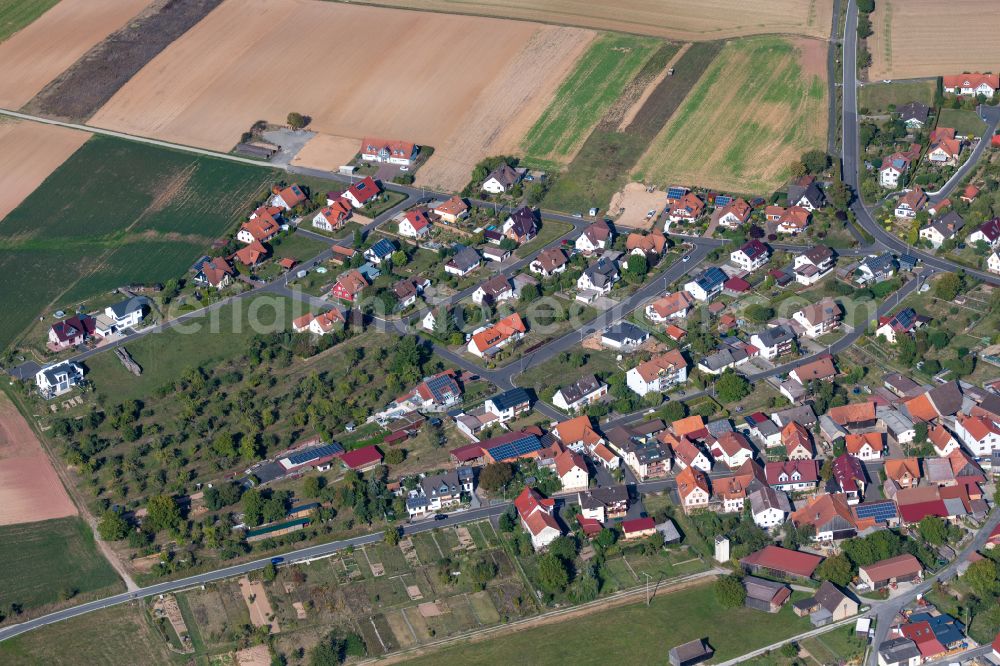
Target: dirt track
<point>29,152</point>
<point>30,490</point>
<point>44,49</point>
<point>439,80</point>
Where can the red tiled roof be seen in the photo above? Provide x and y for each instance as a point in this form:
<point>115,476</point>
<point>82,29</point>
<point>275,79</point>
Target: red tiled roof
<point>638,525</point>
<point>362,457</point>
<point>784,560</point>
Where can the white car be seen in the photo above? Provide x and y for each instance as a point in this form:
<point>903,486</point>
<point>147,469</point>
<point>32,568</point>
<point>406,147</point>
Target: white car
<point>404,168</point>
<point>687,258</point>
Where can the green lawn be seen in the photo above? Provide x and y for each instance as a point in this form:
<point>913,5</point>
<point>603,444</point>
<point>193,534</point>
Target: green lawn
<point>298,246</point>
<point>672,618</point>
<point>166,356</point>
<point>116,212</point>
<point>586,94</point>
<point>548,231</point>
<point>876,97</point>
<point>44,560</point>
<point>16,14</point>
<point>964,121</point>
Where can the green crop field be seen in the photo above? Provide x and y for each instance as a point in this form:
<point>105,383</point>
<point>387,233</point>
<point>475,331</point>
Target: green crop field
<point>674,617</point>
<point>588,92</point>
<point>43,561</point>
<point>16,14</point>
<point>876,97</point>
<point>116,212</point>
<point>964,121</point>
<point>753,113</point>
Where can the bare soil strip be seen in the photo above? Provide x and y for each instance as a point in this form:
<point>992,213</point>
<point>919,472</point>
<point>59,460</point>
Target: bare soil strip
<point>29,152</point>
<point>633,110</point>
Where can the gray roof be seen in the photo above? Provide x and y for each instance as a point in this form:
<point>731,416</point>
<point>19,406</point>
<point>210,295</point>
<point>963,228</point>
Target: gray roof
<point>898,650</point>
<point>880,264</point>
<point>723,358</point>
<point>446,483</point>
<point>767,428</point>
<point>947,398</point>
<point>766,498</point>
<point>602,496</point>
<point>511,398</point>
<point>913,111</point>
<point>669,531</point>
<point>804,414</point>
<point>829,596</point>
<point>465,258</point>
<point>948,225</point>
<point>761,588</point>
<point>625,330</point>
<point>688,651</point>
<point>811,192</point>
<point>719,426</point>
<point>505,175</point>
<point>602,272</point>
<point>583,386</point>
<point>129,305</point>
<point>776,335</point>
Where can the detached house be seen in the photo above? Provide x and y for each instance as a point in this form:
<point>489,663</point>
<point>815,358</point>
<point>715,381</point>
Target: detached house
<point>320,324</point>
<point>866,446</point>
<point>819,318</point>
<point>734,214</point>
<point>262,226</point>
<point>380,251</point>
<point>652,244</point>
<point>979,434</point>
<point>903,322</point>
<point>732,449</point>
<point>463,262</point>
<point>993,263</point>
<point>792,475</point>
<point>972,84</point>
<point>988,232</point>
<point>797,442</point>
<point>604,503</point>
<point>876,268</point>
<point>289,197</point>
<point>687,209</point>
<point>849,474</point>
<point>415,224</point>
<point>361,192</point>
<point>751,255</point>
<point>805,193</point>
<point>769,507</point>
<point>671,306</point>
<point>813,264</point>
<point>914,114</point>
<point>774,342</point>
<point>440,491</point>
<point>54,380</point>
<point>388,151</point>
<point>693,489</point>
<point>495,290</point>
<point>333,216</point>
<point>452,210</point>
<point>349,285</point>
<point>623,335</point>
<point>585,391</point>
<point>791,220</point>
<point>945,147</point>
<point>252,254</point>
<point>911,203</point>
<point>572,470</point>
<point>599,277</point>
<point>896,165</point>
<point>944,442</point>
<point>537,517</point>
<point>521,225</point>
<point>658,374</point>
<point>501,179</point>
<point>942,229</point>
<point>549,262</point>
<point>121,316</point>
<point>708,285</point>
<point>596,237</point>
<point>509,405</point>
<point>71,332</point>
<point>487,342</point>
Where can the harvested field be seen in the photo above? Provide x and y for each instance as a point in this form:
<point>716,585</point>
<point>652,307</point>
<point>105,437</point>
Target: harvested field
<point>759,106</point>
<point>94,78</point>
<point>15,14</point>
<point>673,19</point>
<point>327,152</point>
<point>31,59</point>
<point>30,490</point>
<point>205,89</point>
<point>29,152</point>
<point>931,38</point>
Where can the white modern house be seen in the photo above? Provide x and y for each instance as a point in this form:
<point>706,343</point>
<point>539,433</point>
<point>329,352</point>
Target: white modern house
<point>54,380</point>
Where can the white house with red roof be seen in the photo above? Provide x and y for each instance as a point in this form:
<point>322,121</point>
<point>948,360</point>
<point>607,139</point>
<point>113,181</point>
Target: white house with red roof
<point>289,197</point>
<point>536,513</point>
<point>333,216</point>
<point>734,214</point>
<point>687,209</point>
<point>979,434</point>
<point>261,227</point>
<point>972,84</point>
<point>415,224</point>
<point>362,192</point>
<point>988,232</point>
<point>71,332</point>
<point>993,263</point>
<point>388,151</point>
<point>751,255</point>
<point>733,449</point>
<point>572,470</point>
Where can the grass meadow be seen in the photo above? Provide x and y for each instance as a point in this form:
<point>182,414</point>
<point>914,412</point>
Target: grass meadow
<point>114,213</point>
<point>876,97</point>
<point>43,561</point>
<point>755,110</point>
<point>16,14</point>
<point>588,92</point>
<point>964,121</point>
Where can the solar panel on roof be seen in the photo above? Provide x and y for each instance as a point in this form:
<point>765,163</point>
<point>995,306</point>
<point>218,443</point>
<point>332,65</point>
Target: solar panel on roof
<point>518,447</point>
<point>440,387</point>
<point>723,200</point>
<point>311,454</point>
<point>880,512</point>
<point>676,192</point>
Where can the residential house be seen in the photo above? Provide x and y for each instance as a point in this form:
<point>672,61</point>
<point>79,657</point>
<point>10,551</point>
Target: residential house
<point>797,442</point>
<point>693,489</point>
<point>979,434</point>
<point>349,286</point>
<point>121,316</point>
<point>452,210</point>
<point>464,261</point>
<point>764,430</point>
<point>734,214</point>
<point>855,415</point>
<point>751,255</point>
<point>604,503</point>
<point>687,453</point>
<point>262,226</point>
<point>778,562</point>
<point>495,290</point>
<point>599,277</point>
<point>537,517</point>
<point>415,224</point>
<point>488,341</point>
<point>72,331</point>
<point>215,272</point>
<point>923,637</point>
<point>792,220</point>
<point>988,232</point>
<point>813,264</point>
<point>993,263</point>
<point>900,569</point>
<point>895,166</point>
<point>913,114</point>
<point>943,228</point>
<point>501,179</point>
<point>648,245</point>
<point>911,203</point>
<point>55,380</point>
<point>521,225</point>
<point>670,306</point>
<point>252,254</point>
<point>658,374</point>
<point>320,324</point>
<point>819,318</point>
<point>549,262</point>
<point>509,405</point>
<point>407,290</point>
<point>803,414</point>
<point>687,209</point>
<point>792,475</point>
<point>733,449</point>
<point>972,84</point>
<point>769,507</point>
<point>774,342</point>
<point>577,434</point>
<point>435,393</point>
<point>944,442</point>
<point>898,427</point>
<point>585,391</point>
<point>903,322</point>
<point>945,148</point>
<point>877,268</point>
<point>765,595</point>
<point>899,652</point>
<point>334,216</point>
<point>435,492</point>
<point>362,192</point>
<point>849,475</point>
<point>829,604</point>
<point>571,469</point>
<point>638,528</point>
<point>904,472</point>
<point>596,237</point>
<point>804,192</point>
<point>388,151</point>
<point>829,515</point>
<point>288,197</point>
<point>865,446</point>
<point>708,285</point>
<point>623,335</point>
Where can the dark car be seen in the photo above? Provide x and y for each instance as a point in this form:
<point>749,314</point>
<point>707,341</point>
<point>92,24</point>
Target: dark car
<point>440,516</point>
<point>277,560</point>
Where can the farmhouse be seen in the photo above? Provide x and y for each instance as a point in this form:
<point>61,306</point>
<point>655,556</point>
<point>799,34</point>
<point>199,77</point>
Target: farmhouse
<point>972,84</point>
<point>536,513</point>
<point>415,224</point>
<point>361,192</point>
<point>854,416</point>
<point>597,236</point>
<point>734,214</point>
<point>671,306</point>
<point>289,197</point>
<point>464,261</point>
<point>751,255</point>
<point>54,380</point>
<point>549,262</point>
<point>452,210</point>
<point>829,515</point>
<point>333,216</point>
<point>942,229</point>
<point>805,193</point>
<point>658,374</point>
<point>487,342</point>
<point>391,152</point>
<point>71,332</point>
<point>521,225</point>
<point>501,179</point>
<point>769,507</point>
<point>584,391</point>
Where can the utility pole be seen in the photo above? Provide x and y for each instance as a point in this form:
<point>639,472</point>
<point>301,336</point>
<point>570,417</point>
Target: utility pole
<point>648,577</point>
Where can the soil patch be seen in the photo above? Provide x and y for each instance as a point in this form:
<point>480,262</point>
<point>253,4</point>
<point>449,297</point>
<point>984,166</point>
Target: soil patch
<point>630,207</point>
<point>258,655</point>
<point>30,490</point>
<point>327,152</point>
<point>29,152</point>
<point>93,79</point>
<point>430,609</point>
<point>651,86</point>
<point>258,604</point>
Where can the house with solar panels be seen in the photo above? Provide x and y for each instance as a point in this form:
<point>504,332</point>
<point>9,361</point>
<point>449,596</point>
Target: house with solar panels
<point>509,405</point>
<point>436,393</point>
<point>511,446</point>
<point>708,285</point>
<point>903,322</point>
<point>318,457</point>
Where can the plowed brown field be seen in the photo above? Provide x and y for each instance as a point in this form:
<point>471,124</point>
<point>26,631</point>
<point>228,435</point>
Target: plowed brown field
<point>461,84</point>
<point>29,488</point>
<point>29,152</point>
<point>41,51</point>
<point>931,38</point>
